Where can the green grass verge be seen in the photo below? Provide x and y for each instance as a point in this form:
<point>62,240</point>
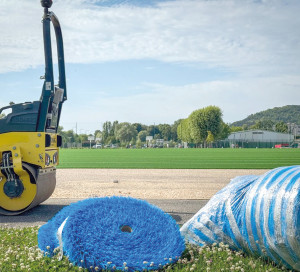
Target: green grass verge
<point>19,252</point>
<point>171,158</point>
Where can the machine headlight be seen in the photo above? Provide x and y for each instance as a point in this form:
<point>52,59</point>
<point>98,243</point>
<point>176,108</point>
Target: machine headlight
<point>47,159</point>
<point>55,157</point>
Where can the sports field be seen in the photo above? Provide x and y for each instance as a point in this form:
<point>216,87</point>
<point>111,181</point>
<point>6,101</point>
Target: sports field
<point>171,158</point>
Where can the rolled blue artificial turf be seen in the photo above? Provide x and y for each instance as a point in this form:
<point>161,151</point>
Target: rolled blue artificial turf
<point>257,214</point>
<point>114,233</point>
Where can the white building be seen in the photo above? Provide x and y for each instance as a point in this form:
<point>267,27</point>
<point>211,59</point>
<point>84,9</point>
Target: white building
<point>259,138</point>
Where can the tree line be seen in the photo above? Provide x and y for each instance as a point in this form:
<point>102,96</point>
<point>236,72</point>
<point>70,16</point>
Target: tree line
<point>264,125</point>
<point>203,125</point>
<point>285,114</point>
<point>125,133</point>
<point>200,128</point>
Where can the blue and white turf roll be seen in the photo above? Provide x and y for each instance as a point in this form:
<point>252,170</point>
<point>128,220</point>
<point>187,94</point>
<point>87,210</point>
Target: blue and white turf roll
<point>257,214</point>
<point>114,233</point>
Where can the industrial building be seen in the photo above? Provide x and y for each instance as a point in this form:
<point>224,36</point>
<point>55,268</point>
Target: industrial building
<point>259,138</point>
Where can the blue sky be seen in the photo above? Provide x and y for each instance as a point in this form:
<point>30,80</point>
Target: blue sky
<point>156,61</point>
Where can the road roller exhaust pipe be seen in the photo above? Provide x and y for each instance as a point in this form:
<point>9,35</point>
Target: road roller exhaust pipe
<point>29,143</point>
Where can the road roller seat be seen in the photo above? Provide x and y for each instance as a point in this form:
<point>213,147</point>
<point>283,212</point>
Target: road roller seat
<point>23,117</point>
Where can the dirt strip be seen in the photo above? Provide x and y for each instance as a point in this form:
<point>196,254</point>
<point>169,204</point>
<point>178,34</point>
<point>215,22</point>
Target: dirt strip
<point>145,183</point>
<point>180,192</point>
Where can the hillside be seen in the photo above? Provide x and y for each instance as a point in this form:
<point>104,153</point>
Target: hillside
<point>287,114</point>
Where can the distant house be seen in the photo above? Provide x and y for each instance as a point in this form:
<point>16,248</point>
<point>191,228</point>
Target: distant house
<point>259,138</point>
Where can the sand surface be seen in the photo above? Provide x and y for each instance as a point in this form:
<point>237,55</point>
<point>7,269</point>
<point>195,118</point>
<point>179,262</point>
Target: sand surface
<point>145,183</point>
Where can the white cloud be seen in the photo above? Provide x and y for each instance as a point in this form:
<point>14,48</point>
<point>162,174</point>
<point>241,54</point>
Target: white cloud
<point>165,104</point>
<point>20,46</point>
<point>244,35</point>
<point>257,41</point>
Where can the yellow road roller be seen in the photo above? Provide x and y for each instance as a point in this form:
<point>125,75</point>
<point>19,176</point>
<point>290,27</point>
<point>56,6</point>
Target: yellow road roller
<point>29,143</point>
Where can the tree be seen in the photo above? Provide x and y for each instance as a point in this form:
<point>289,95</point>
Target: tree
<point>183,131</point>
<point>142,135</point>
<point>197,125</point>
<point>113,128</point>
<point>70,135</point>
<point>111,140</point>
<point>139,127</point>
<point>153,131</point>
<point>225,131</point>
<point>125,132</point>
<point>203,120</point>
<point>2,115</point>
<point>174,127</point>
<point>281,127</point>
<point>165,131</point>
<point>245,127</point>
<point>263,124</point>
<point>287,114</point>
<point>180,130</point>
<point>235,129</point>
<point>83,137</point>
<point>106,130</point>
<point>210,137</point>
<point>98,133</point>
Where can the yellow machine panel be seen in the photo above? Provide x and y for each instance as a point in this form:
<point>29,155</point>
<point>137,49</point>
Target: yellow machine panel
<point>31,147</point>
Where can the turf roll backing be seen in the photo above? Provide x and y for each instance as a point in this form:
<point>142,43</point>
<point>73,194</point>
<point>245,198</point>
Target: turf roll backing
<point>114,233</point>
<point>257,214</point>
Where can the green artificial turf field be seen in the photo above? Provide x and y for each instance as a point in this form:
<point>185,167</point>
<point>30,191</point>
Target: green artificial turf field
<point>171,158</point>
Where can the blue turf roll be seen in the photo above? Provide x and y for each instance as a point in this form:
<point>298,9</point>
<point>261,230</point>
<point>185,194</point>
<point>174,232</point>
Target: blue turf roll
<point>97,233</point>
<point>257,214</point>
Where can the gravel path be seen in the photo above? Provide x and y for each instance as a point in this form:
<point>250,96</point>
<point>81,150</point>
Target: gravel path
<point>180,192</point>
<point>145,183</point>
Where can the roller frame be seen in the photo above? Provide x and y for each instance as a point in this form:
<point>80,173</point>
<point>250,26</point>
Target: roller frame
<point>29,132</point>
